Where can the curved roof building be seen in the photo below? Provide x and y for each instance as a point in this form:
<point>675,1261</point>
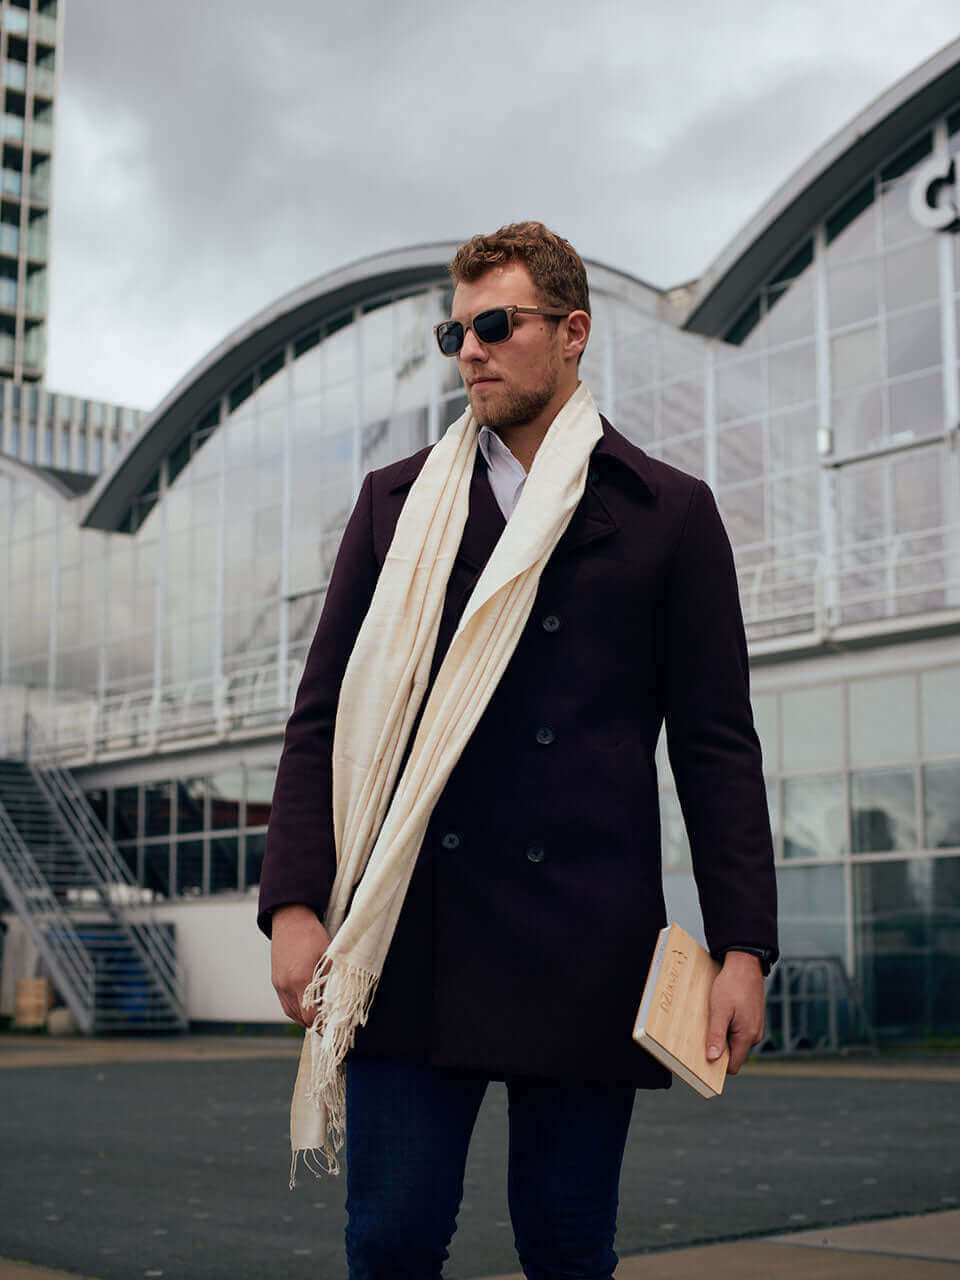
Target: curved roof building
<point>159,618</point>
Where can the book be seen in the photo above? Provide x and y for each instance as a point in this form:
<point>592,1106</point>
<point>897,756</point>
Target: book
<point>674,1011</point>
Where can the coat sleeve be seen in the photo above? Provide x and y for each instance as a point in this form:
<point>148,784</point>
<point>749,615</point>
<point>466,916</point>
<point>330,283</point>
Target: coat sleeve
<point>713,746</point>
<point>300,861</point>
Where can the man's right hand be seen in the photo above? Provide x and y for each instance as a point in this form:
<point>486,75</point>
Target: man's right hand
<point>298,941</point>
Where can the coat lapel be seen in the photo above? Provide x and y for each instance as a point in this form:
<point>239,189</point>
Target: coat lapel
<point>485,521</point>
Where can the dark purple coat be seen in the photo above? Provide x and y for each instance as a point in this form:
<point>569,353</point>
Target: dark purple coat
<point>525,936</point>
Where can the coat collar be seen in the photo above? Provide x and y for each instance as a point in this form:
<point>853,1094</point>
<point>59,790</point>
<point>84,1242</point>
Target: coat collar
<point>591,520</point>
<point>618,447</point>
<point>613,445</point>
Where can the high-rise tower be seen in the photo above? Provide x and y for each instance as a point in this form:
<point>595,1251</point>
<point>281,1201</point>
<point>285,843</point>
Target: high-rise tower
<point>30,40</point>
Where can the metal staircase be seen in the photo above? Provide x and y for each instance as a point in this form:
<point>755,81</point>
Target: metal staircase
<point>114,966</point>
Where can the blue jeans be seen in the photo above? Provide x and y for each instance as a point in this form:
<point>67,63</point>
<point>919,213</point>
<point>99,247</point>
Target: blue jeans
<point>408,1129</point>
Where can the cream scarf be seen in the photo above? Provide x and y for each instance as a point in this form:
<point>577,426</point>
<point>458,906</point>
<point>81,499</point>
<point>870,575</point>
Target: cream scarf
<point>378,839</point>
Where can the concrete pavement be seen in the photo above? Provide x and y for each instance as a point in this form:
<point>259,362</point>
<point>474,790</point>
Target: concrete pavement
<point>165,1158</point>
<point>921,1247</point>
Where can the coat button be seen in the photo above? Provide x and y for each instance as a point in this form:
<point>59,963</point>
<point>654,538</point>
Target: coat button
<point>545,736</point>
<point>551,622</point>
<point>536,853</point>
<point>451,840</point>
<point>592,476</point>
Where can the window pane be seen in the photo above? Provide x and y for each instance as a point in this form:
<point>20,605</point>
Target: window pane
<point>189,866</point>
<point>911,275</point>
<point>883,812</point>
<point>856,358</point>
<point>913,341</point>
<point>190,804</point>
<point>156,802</point>
<point>918,496</point>
<point>681,408</point>
<point>224,864</point>
<point>813,727</point>
<point>740,453</point>
<point>916,405</point>
<point>125,803</point>
<point>858,422</point>
<point>226,790</point>
<point>793,376</point>
<point>853,292</point>
<point>812,905</point>
<point>908,945</point>
<point>97,801</point>
<point>940,711</point>
<point>743,513</point>
<point>256,846</point>
<point>941,805</point>
<point>793,440</point>
<point>156,869</point>
<point>741,389</point>
<point>259,794</point>
<point>790,310</point>
<point>882,720</point>
<point>813,817</point>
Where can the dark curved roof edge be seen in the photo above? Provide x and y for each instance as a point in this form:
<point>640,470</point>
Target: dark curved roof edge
<point>832,172</point>
<point>64,485</point>
<point>260,336</point>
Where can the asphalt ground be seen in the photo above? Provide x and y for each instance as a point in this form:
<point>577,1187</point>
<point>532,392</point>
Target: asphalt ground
<point>178,1167</point>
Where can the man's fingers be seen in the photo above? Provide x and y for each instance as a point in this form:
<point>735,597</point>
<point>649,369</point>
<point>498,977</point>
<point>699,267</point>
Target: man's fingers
<point>294,1008</point>
<point>717,1027</point>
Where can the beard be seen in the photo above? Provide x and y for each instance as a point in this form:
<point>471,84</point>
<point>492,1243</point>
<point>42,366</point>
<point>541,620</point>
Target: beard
<point>514,406</point>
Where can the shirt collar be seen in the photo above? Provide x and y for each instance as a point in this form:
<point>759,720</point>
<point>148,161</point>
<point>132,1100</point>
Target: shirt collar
<point>495,452</point>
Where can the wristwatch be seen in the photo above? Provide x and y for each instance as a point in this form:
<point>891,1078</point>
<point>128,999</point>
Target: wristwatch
<point>765,955</point>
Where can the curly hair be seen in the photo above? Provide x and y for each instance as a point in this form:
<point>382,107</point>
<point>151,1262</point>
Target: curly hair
<point>555,267</point>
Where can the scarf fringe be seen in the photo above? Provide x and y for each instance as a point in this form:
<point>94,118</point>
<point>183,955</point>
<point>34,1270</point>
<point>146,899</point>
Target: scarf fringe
<point>343,994</point>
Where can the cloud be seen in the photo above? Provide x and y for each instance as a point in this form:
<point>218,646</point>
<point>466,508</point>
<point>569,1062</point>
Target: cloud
<point>212,156</point>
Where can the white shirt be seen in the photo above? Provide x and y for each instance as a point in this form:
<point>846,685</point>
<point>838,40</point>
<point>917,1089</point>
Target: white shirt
<point>505,473</point>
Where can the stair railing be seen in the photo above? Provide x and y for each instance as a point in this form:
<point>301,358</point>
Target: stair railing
<point>50,927</point>
<point>109,871</point>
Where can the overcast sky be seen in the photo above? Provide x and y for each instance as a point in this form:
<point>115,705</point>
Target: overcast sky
<point>213,154</point>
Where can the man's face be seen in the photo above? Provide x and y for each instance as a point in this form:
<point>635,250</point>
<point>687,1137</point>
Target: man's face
<point>512,382</point>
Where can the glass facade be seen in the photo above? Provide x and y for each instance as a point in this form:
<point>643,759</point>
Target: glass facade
<point>191,836</point>
<point>825,421</point>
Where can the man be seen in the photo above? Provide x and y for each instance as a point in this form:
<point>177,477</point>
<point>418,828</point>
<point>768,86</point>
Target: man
<point>518,844</point>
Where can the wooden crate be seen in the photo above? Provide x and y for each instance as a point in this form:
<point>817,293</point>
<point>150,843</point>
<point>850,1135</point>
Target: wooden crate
<point>33,1002</point>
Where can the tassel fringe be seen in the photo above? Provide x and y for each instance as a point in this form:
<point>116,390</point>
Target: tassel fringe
<point>343,995</point>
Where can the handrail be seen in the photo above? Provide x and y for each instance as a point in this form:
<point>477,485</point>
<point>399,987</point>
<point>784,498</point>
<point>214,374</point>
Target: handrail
<point>71,968</point>
<point>154,946</point>
<point>805,591</point>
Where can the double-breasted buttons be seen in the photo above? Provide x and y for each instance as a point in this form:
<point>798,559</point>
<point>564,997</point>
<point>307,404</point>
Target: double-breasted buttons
<point>536,853</point>
<point>545,736</point>
<point>551,622</point>
<point>450,840</point>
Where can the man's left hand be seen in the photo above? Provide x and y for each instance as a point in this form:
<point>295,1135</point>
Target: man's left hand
<point>736,1009</point>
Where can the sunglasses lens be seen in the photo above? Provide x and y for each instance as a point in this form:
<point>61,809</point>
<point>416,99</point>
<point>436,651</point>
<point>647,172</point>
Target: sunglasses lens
<point>450,337</point>
<point>492,326</point>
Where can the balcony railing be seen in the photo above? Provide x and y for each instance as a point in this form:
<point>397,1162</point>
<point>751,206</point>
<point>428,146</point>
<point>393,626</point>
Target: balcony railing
<point>874,586</point>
